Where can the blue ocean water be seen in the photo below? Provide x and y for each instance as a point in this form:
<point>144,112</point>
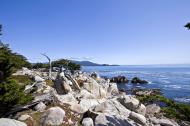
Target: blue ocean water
<point>174,81</point>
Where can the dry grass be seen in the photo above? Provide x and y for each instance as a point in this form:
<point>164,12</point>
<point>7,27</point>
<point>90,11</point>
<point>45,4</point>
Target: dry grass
<point>22,79</point>
<point>69,115</point>
<point>49,82</point>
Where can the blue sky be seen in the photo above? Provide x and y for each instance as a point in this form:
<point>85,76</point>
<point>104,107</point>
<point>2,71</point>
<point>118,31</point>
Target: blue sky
<point>103,31</point>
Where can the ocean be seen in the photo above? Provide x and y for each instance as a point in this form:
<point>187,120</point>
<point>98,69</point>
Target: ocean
<point>174,81</point>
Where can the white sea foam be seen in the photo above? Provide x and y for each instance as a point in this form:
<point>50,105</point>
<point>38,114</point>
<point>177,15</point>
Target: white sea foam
<point>166,81</point>
<point>173,86</point>
<point>150,82</point>
<point>186,100</point>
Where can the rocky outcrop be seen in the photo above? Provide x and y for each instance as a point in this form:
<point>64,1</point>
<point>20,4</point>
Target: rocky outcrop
<point>10,122</point>
<point>88,103</point>
<point>166,122</point>
<point>84,94</point>
<point>112,107</point>
<point>94,88</point>
<point>152,109</point>
<point>137,80</point>
<point>132,104</point>
<point>113,120</point>
<point>119,79</point>
<point>112,89</point>
<point>67,98</point>
<point>53,117</point>
<point>138,118</point>
<point>146,92</point>
<point>38,79</point>
<point>24,117</point>
<point>40,107</point>
<point>91,100</point>
<point>62,85</point>
<point>78,108</point>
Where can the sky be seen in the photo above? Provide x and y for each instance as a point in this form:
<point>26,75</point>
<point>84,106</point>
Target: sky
<point>104,31</point>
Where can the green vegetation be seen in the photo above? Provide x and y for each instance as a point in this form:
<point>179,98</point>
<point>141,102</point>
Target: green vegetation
<point>49,82</point>
<point>40,65</point>
<point>22,79</point>
<point>66,63</point>
<point>13,60</point>
<point>171,109</point>
<point>10,92</point>
<point>59,63</point>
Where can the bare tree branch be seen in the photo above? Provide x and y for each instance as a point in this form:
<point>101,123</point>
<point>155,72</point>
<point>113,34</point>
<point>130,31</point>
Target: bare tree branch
<point>49,64</point>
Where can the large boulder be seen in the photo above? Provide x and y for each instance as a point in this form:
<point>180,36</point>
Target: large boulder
<point>24,117</point>
<point>77,108</point>
<point>45,97</point>
<point>119,79</point>
<point>84,94</point>
<point>66,87</point>
<point>53,117</point>
<point>87,122</point>
<point>154,121</point>
<point>138,118</point>
<point>62,74</point>
<point>67,98</point>
<point>113,120</point>
<point>141,109</point>
<point>24,71</point>
<point>40,107</point>
<point>137,80</point>
<point>10,122</point>
<point>102,93</point>
<point>88,103</point>
<point>132,104</point>
<point>152,109</point>
<point>112,107</point>
<point>167,122</point>
<point>129,101</point>
<point>112,89</point>
<point>40,86</point>
<point>38,79</point>
<point>93,87</point>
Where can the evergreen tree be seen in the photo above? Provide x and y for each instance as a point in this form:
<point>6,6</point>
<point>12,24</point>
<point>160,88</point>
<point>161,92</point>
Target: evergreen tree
<point>10,92</point>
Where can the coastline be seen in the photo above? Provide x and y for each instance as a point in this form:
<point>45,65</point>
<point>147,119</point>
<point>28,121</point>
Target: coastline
<point>86,96</point>
<point>173,81</point>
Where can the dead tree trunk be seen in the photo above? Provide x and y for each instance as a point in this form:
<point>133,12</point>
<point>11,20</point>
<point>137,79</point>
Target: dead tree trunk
<point>49,64</point>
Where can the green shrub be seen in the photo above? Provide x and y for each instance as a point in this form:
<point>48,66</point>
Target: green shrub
<point>11,93</point>
<point>172,109</point>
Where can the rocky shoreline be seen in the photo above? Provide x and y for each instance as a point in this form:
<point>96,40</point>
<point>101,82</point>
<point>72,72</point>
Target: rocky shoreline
<point>82,99</point>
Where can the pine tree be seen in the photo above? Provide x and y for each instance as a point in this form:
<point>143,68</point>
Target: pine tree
<point>10,92</point>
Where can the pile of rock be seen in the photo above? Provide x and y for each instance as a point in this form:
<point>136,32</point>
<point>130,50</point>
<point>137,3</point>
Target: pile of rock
<point>146,92</point>
<point>93,102</point>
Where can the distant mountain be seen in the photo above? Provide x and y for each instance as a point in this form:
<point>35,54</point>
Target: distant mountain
<point>88,63</point>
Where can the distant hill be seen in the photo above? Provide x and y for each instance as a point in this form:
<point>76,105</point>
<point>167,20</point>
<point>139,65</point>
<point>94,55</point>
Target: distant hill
<point>88,63</point>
